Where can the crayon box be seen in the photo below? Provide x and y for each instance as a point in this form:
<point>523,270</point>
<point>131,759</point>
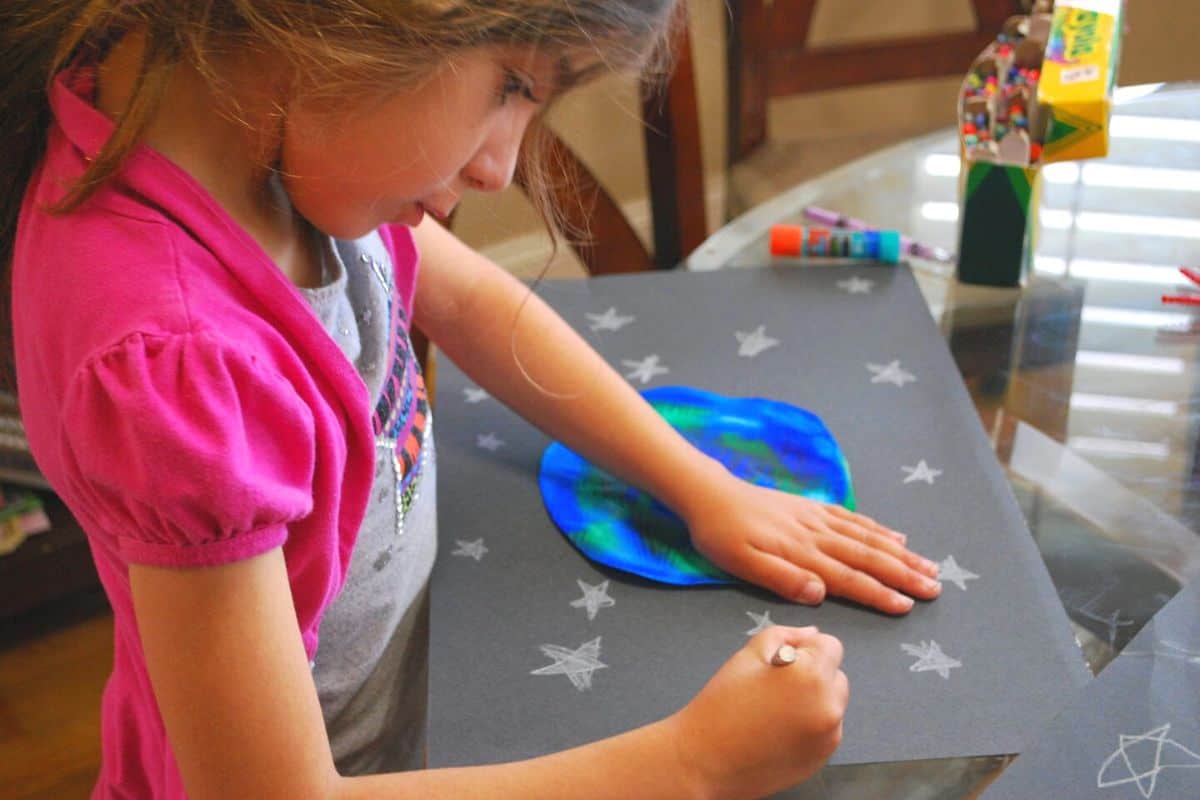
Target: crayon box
<point>1040,93</point>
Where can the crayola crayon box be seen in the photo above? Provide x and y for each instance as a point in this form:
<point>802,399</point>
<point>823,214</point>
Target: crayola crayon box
<point>1079,72</point>
<point>1040,93</point>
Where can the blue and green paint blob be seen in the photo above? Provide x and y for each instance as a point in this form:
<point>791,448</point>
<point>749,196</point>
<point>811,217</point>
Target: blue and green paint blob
<point>766,442</point>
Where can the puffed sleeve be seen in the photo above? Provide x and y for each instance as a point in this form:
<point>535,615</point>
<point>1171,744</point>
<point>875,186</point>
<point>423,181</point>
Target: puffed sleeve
<point>187,451</point>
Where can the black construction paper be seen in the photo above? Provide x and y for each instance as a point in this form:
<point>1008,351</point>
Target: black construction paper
<point>847,338</point>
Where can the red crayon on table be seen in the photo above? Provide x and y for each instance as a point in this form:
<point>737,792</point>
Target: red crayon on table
<point>1182,299</point>
<point>1191,274</point>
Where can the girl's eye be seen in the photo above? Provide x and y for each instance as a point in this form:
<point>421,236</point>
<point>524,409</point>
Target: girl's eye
<point>515,85</point>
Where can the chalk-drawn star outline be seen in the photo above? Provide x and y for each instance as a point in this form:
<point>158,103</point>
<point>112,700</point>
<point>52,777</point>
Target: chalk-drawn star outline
<point>752,343</point>
<point>761,621</point>
<point>950,570</point>
<point>856,285</point>
<point>930,658</point>
<point>594,598</point>
<point>608,321</point>
<point>475,549</point>
<point>644,370</point>
<point>890,372</point>
<point>1121,757</point>
<point>921,472</point>
<point>489,442</point>
<point>578,664</point>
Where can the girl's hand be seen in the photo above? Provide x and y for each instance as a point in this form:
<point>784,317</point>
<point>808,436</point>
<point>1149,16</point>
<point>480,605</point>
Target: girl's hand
<point>801,549</point>
<point>756,728</point>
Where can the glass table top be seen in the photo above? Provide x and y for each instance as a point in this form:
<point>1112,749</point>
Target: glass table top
<point>1086,382</point>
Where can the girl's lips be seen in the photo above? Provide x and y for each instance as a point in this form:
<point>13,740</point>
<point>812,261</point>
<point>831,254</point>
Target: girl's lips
<point>416,212</point>
<point>438,214</point>
<point>412,216</point>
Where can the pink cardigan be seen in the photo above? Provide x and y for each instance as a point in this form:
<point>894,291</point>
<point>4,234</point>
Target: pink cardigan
<point>182,399</point>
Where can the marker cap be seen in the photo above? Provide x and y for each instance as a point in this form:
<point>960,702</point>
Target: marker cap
<point>787,240</point>
<point>889,246</point>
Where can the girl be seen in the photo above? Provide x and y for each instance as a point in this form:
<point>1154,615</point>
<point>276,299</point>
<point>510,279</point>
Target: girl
<point>222,205</point>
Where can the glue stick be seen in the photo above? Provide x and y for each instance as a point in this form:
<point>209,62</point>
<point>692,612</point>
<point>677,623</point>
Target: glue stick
<point>802,240</point>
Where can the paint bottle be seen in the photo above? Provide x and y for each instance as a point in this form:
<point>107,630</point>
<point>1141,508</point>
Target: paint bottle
<point>802,240</point>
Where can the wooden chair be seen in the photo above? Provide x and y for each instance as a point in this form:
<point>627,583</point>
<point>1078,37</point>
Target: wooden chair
<point>675,170</point>
<point>769,56</point>
<point>675,176</point>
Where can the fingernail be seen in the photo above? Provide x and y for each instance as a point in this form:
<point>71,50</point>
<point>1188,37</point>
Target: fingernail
<point>812,593</point>
<point>931,585</point>
<point>930,566</point>
<point>903,602</point>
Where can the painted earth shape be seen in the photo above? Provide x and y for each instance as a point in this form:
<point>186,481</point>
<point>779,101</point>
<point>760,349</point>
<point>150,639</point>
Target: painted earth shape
<point>766,442</point>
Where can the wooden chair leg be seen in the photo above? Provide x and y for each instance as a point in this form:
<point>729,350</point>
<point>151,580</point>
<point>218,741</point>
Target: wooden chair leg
<point>674,156</point>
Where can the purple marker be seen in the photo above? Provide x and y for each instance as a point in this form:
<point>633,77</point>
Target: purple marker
<point>907,245</point>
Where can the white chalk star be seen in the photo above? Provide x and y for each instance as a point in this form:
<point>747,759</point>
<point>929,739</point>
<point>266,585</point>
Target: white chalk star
<point>949,570</point>
<point>578,664</point>
<point>594,598</point>
<point>608,321</point>
<point>890,373</point>
<point>1152,741</point>
<point>475,395</point>
<point>921,472</point>
<point>856,285</point>
<point>489,441</point>
<point>761,621</point>
<point>930,658</point>
<point>644,370</point>
<point>475,549</point>
<point>753,343</point>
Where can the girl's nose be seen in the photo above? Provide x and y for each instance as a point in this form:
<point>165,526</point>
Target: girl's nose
<point>492,167</point>
<point>490,172</point>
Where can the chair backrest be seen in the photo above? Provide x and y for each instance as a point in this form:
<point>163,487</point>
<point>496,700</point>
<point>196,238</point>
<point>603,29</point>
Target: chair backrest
<point>769,56</point>
<point>675,177</point>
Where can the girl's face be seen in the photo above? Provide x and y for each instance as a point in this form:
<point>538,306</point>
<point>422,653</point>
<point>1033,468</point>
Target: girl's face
<point>418,151</point>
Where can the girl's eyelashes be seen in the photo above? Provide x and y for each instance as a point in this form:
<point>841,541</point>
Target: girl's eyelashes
<point>514,84</point>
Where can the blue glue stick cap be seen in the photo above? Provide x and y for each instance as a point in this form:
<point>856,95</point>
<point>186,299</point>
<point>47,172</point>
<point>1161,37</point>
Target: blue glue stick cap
<point>889,246</point>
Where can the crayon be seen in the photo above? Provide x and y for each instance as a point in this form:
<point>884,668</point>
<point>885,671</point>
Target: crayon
<point>907,245</point>
<point>1182,299</point>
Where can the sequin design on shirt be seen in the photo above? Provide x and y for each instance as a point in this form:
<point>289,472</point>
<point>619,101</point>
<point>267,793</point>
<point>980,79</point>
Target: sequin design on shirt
<point>401,415</point>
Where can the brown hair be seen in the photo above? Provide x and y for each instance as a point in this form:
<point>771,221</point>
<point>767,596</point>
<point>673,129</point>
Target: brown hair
<point>334,47</point>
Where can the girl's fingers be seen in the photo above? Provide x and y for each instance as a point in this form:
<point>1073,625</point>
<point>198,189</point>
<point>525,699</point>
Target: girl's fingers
<point>767,642</point>
<point>843,580</point>
<point>829,651</point>
<point>881,565</point>
<point>884,544</point>
<point>867,522</point>
<point>842,689</point>
<point>785,578</point>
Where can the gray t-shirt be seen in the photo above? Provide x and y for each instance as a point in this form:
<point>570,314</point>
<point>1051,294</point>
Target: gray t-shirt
<point>371,666</point>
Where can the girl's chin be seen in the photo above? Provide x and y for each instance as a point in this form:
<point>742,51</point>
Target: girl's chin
<point>411,216</point>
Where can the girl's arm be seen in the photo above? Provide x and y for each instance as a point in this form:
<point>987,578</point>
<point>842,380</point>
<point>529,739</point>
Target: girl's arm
<point>514,346</point>
<point>240,707</point>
